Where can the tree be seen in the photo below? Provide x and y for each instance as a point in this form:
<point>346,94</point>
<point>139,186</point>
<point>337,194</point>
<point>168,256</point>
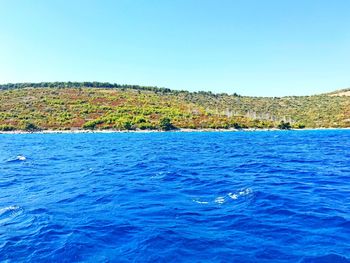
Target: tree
<point>165,124</point>
<point>31,127</point>
<point>284,125</point>
<point>237,126</point>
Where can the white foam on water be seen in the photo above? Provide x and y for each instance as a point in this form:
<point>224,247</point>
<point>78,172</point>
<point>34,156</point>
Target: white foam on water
<point>159,175</point>
<point>242,192</point>
<point>233,196</point>
<point>21,158</point>
<point>9,209</point>
<point>246,191</point>
<point>201,202</point>
<point>220,200</point>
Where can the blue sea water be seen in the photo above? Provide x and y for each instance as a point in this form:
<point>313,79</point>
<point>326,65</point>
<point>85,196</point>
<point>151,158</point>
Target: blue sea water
<point>276,196</point>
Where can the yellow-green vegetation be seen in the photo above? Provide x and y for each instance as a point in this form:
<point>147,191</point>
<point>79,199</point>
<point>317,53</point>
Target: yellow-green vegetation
<point>93,105</point>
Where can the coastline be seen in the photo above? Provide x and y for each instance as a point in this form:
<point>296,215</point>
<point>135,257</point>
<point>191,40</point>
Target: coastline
<point>78,131</point>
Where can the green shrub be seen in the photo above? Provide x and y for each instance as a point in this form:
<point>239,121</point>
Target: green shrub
<point>6,127</point>
<point>91,125</point>
<point>124,124</point>
<point>300,126</point>
<point>165,124</point>
<point>146,126</point>
<point>236,126</point>
<point>127,125</point>
<point>284,125</point>
<point>140,119</point>
<point>31,127</point>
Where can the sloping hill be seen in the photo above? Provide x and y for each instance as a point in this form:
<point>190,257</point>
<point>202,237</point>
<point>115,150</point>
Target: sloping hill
<point>67,105</point>
<point>342,92</point>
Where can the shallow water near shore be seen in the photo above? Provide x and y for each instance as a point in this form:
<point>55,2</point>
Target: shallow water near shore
<point>281,196</point>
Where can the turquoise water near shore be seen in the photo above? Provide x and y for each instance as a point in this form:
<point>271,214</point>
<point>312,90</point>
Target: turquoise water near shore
<point>281,196</point>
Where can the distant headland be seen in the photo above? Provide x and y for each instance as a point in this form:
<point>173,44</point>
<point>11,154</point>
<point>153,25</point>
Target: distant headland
<point>79,106</point>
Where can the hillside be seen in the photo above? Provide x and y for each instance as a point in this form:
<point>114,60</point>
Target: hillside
<point>342,92</point>
<point>93,105</point>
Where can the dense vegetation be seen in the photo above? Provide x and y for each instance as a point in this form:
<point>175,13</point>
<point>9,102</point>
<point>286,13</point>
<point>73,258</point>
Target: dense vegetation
<point>94,105</point>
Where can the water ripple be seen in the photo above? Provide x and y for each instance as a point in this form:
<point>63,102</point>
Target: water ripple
<point>175,197</point>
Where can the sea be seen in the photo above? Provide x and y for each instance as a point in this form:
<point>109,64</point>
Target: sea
<point>264,196</point>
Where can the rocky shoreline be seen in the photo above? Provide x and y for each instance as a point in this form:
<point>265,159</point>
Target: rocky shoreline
<point>154,131</point>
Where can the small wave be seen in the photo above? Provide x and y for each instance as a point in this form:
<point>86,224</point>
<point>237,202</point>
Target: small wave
<point>9,212</point>
<point>159,175</point>
<point>233,196</point>
<point>8,208</point>
<point>19,158</point>
<point>326,258</point>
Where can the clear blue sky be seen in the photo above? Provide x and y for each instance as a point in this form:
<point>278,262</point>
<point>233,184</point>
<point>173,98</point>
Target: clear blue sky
<point>252,47</point>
